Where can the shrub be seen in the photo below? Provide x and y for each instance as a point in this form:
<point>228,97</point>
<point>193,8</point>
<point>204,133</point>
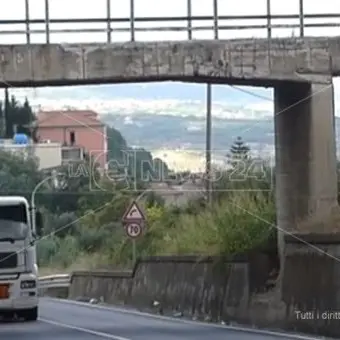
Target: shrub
<point>238,223</point>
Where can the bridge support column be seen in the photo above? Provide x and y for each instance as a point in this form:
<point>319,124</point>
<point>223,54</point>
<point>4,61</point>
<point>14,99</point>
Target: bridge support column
<point>308,216</point>
<point>306,176</point>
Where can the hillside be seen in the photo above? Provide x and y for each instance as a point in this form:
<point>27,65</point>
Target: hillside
<point>171,115</point>
<point>189,132</point>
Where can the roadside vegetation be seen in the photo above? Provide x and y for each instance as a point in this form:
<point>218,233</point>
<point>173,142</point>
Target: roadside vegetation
<point>83,212</point>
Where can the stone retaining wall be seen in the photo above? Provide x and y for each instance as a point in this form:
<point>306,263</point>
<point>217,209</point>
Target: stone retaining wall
<point>216,290</point>
<point>201,288</point>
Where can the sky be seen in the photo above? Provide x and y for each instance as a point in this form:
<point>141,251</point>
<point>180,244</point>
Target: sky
<point>58,9</point>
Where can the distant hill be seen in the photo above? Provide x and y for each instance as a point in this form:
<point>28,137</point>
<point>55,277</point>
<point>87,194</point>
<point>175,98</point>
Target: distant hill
<point>171,115</point>
<point>171,132</point>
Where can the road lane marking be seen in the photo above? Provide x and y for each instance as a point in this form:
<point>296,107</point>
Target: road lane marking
<point>190,322</point>
<point>84,330</point>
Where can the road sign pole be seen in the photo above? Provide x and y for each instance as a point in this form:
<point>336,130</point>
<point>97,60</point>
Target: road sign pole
<point>134,255</point>
<point>133,222</point>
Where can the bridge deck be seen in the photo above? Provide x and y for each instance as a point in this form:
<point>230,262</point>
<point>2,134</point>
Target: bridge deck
<point>248,61</point>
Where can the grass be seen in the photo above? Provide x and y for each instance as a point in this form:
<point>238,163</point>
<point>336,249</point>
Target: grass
<point>236,224</point>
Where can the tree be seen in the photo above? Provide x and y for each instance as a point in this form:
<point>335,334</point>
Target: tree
<point>18,175</point>
<point>140,164</point>
<point>78,187</point>
<point>161,169</point>
<point>116,145</point>
<point>17,118</point>
<point>238,151</point>
<point>135,163</point>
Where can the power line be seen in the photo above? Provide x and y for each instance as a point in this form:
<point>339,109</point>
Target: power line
<point>251,93</point>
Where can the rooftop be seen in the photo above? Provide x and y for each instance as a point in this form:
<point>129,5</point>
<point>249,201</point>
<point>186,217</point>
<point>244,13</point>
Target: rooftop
<point>61,118</point>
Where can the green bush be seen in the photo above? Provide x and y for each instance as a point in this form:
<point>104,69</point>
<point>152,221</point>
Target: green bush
<point>241,219</point>
<point>237,224</point>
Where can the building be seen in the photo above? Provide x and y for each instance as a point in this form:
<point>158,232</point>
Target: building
<point>48,155</point>
<point>78,131</point>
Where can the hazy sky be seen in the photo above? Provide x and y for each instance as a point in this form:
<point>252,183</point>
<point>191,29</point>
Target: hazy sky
<point>15,9</point>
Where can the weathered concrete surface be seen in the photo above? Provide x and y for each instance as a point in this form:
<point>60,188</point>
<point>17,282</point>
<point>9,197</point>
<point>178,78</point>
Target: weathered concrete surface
<point>306,200</point>
<point>306,171</point>
<point>250,61</point>
<point>201,289</point>
<point>311,286</point>
<point>205,290</point>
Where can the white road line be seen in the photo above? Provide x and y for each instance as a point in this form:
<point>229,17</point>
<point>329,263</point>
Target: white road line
<point>84,330</point>
<point>196,323</point>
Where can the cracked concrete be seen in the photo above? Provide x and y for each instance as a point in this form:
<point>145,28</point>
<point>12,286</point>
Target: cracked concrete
<point>250,62</point>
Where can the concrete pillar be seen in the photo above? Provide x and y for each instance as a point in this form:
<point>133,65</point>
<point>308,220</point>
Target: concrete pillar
<point>306,175</point>
<point>306,184</point>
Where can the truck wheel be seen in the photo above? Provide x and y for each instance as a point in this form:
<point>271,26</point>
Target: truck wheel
<point>30,314</point>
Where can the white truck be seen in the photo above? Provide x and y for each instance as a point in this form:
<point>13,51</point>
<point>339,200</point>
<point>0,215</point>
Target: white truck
<point>18,259</point>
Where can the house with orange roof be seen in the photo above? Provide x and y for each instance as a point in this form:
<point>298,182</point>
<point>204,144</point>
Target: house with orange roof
<point>78,131</point>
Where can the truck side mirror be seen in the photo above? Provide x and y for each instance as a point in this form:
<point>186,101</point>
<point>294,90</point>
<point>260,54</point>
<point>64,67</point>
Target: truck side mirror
<point>39,223</point>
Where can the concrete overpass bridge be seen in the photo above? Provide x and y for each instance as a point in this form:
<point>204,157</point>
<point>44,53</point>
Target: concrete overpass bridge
<point>255,62</point>
<point>299,69</point>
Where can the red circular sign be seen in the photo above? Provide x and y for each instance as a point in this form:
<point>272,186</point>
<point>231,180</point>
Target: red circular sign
<point>133,230</point>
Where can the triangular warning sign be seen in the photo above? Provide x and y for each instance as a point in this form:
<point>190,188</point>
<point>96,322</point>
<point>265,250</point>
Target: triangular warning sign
<point>133,213</point>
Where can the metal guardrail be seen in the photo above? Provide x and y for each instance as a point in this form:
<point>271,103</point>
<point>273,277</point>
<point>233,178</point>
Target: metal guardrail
<point>54,281</point>
<point>189,23</point>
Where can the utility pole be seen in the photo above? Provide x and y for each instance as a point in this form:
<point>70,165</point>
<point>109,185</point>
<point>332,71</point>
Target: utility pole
<point>208,178</point>
<point>302,18</point>
<point>6,114</point>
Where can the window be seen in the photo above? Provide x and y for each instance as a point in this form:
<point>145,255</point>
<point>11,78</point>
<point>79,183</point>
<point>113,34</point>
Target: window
<point>12,230</point>
<point>13,221</point>
<point>17,213</point>
<point>72,138</point>
<point>71,154</point>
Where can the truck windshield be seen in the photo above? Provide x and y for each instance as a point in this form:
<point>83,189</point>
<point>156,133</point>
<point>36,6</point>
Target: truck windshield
<point>13,222</point>
<point>11,230</point>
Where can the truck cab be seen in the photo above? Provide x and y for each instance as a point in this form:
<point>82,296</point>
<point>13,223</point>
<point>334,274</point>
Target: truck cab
<point>18,260</point>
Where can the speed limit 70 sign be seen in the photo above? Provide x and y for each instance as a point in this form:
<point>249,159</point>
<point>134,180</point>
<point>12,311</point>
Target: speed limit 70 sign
<point>133,230</point>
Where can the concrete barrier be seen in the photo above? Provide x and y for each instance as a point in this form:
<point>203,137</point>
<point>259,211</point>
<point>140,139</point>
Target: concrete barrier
<point>210,289</point>
<point>196,287</point>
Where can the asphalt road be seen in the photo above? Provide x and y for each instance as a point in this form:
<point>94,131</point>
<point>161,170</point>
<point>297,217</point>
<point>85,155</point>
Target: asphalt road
<point>63,320</point>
